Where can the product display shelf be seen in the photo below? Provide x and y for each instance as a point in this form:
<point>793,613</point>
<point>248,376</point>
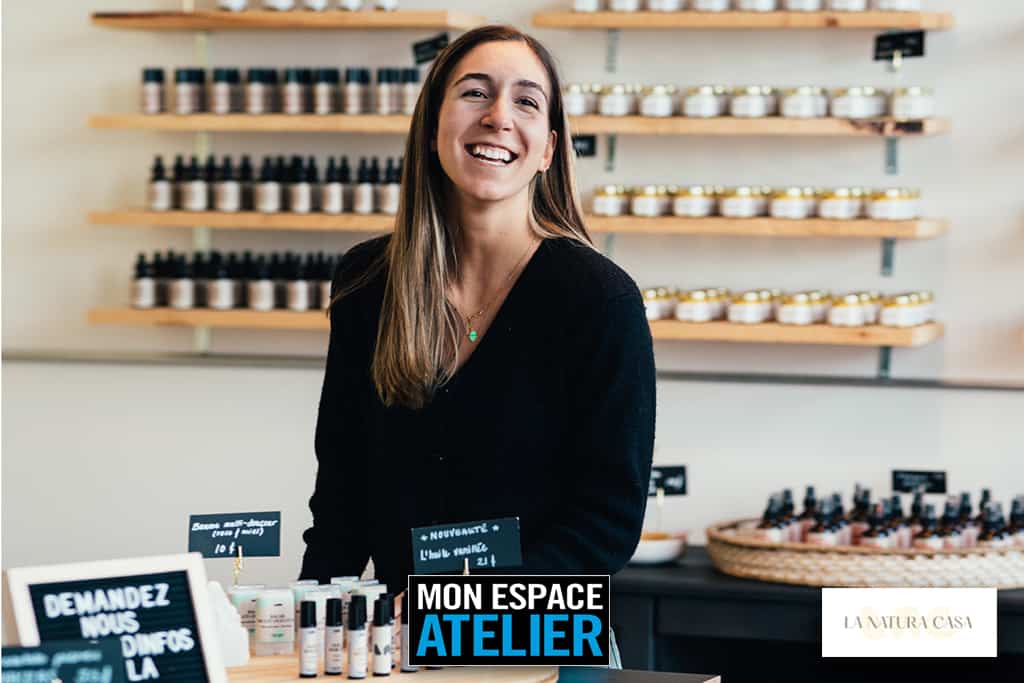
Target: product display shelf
<point>668,330</point>
<point>581,125</point>
<point>928,21</point>
<point>251,20</point>
<point>285,669</point>
<point>665,225</point>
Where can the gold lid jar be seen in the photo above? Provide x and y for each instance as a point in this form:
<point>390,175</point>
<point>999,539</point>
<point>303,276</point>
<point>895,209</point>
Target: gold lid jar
<point>838,193</point>
<point>651,294</point>
<point>758,90</point>
<point>703,90</point>
<point>609,191</point>
<point>740,191</point>
<point>895,193</point>
<point>858,91</point>
<point>694,191</point>
<point>898,300</point>
<point>658,89</point>
<point>647,191</point>
<point>614,89</point>
<point>694,296</point>
<point>788,193</point>
<point>574,88</point>
<point>914,91</point>
<point>804,90</point>
<point>748,297</point>
<point>797,299</point>
<point>846,300</point>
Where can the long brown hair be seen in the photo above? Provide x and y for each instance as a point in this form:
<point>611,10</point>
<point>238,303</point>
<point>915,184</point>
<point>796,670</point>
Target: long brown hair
<point>419,329</point>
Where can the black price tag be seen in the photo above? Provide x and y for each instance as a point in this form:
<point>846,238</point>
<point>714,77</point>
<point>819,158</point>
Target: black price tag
<point>584,145</point>
<point>426,50</point>
<point>258,534</point>
<point>671,479</point>
<point>908,43</point>
<point>486,544</point>
<point>910,481</point>
<point>150,618</point>
<point>76,661</point>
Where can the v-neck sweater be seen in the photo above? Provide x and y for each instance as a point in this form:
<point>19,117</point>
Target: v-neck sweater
<point>550,419</point>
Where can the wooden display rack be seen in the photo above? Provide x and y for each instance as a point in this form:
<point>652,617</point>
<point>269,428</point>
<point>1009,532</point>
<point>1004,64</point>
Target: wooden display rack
<point>664,225</point>
<point>259,20</point>
<point>903,21</point>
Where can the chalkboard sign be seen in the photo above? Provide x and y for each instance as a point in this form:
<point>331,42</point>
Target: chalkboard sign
<point>426,50</point>
<point>71,661</point>
<point>910,481</point>
<point>907,43</point>
<point>584,145</point>
<point>258,534</point>
<point>486,544</point>
<point>672,480</point>
<point>155,609</point>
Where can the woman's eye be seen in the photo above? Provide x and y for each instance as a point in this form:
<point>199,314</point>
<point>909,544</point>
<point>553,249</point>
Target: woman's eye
<point>528,102</point>
<point>473,93</point>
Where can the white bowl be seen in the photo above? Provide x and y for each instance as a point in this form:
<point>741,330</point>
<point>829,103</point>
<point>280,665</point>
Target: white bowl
<point>659,550</point>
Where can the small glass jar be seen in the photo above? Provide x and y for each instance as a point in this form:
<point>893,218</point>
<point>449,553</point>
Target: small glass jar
<point>586,5</point>
<point>820,303</point>
<point>804,102</point>
<point>694,201</point>
<point>616,100</point>
<point>839,203</point>
<point>259,91</point>
<point>609,201</point>
<point>741,202</point>
<point>695,306</point>
<point>871,302</point>
<point>753,101</point>
<point>748,308</point>
<point>624,5</point>
<point>757,5</point>
<point>591,96</point>
<point>664,5</point>
<point>704,101</point>
<point>902,310</point>
<point>187,97</point>
<point>846,311</point>
<point>710,5</point>
<point>848,5</point>
<point>790,203</point>
<point>796,309</point>
<point>225,91</point>
<point>659,303</point>
<point>894,204</point>
<point>858,103</point>
<point>658,101</point>
<point>802,5</point>
<point>152,91</point>
<point>647,202</point>
<point>574,101</point>
<point>914,102</point>
<point>898,5</point>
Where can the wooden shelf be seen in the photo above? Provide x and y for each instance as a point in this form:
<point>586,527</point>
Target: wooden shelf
<point>665,225</point>
<point>929,21</point>
<point>581,125</point>
<point>246,220</point>
<point>768,333</point>
<point>775,333</point>
<point>257,20</point>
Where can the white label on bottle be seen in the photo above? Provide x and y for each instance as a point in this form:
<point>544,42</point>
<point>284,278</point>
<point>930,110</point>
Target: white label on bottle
<point>275,620</point>
<point>268,197</point>
<point>332,198</point>
<point>261,298</point>
<point>323,98</point>
<point>195,196</point>
<point>183,293</point>
<point>334,644</point>
<point>301,197</point>
<point>363,200</point>
<point>160,195</point>
<point>152,98</point>
<point>309,651</point>
<point>354,95</point>
<point>227,195</point>
<point>298,295</point>
<point>390,195</point>
<point>381,650</point>
<point>256,98</point>
<point>294,99</point>
<point>143,292</point>
<point>222,99</point>
<point>220,294</point>
<point>357,653</point>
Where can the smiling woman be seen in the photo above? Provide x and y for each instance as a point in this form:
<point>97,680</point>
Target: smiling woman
<point>485,360</point>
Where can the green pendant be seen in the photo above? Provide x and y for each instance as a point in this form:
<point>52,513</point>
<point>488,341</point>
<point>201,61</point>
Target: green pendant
<point>472,335</point>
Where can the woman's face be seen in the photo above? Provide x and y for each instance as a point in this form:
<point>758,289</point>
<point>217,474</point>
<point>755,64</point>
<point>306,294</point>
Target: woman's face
<point>493,135</point>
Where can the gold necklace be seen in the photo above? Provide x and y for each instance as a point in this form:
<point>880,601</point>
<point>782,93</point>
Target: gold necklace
<point>472,334</point>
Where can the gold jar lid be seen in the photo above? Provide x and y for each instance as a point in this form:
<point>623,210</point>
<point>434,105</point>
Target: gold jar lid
<point>625,189</point>
<point>609,191</point>
<point>694,191</point>
<point>651,294</point>
<point>838,193</point>
<point>847,300</point>
<point>703,90</point>
<point>614,89</point>
<point>574,88</point>
<point>895,193</point>
<point>740,191</point>
<point>788,193</point>
<point>812,192</point>
<point>659,89</point>
<point>804,90</point>
<point>858,91</point>
<point>914,91</point>
<point>865,297</point>
<point>751,90</point>
<point>634,88</point>
<point>696,296</point>
<point>897,301</point>
<point>647,191</point>
<point>597,87</point>
<point>925,296</point>
<point>797,299</point>
<point>749,297</point>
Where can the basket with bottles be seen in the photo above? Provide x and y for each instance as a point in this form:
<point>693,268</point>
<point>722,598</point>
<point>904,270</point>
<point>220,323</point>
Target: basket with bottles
<point>875,544</point>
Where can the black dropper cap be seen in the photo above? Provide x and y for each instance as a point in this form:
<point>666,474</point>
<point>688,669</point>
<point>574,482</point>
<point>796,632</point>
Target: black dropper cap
<point>357,613</point>
<point>158,169</point>
<point>389,171</point>
<point>198,265</point>
<point>896,504</point>
<point>152,74</point>
<point>399,169</point>
<point>312,175</point>
<point>295,169</point>
<point>210,170</point>
<point>344,172</point>
<point>929,515</point>
<point>280,170</point>
<point>142,269</point>
<point>292,75</point>
<point>307,614</point>
<point>179,168</point>
<point>245,169</point>
<point>260,270</point>
<point>266,170</point>
<point>227,171</point>
<point>381,610</point>
<point>333,612</point>
<point>363,174</point>
<point>193,168</point>
<point>331,174</point>
<point>965,504</point>
<point>375,171</point>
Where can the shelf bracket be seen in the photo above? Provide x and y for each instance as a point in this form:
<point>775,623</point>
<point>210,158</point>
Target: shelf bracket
<point>609,245</point>
<point>611,54</point>
<point>888,255</point>
<point>892,155</point>
<point>609,158</point>
<point>884,361</point>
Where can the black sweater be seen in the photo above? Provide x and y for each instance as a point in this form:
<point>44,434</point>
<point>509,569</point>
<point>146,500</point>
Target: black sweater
<point>551,420</point>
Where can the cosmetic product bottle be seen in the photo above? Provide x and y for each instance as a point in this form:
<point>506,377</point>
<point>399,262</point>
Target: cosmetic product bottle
<point>220,288</point>
<point>332,195</point>
<point>199,78</point>
<point>297,287</point>
<point>293,97</point>
<point>968,528</point>
<point>275,623</point>
<point>406,645</point>
<point>768,529</point>
<point>300,192</point>
<point>929,538</point>
<point>261,296</point>
<point>186,92</point>
<point>292,176</point>
<point>395,79</point>
<point>383,91</point>
<point>245,184</point>
<point>257,92</point>
<point>876,535</point>
<point>410,90</point>
<point>325,92</point>
<point>143,284</point>
<point>152,91</point>
<point>355,91</point>
<point>223,92</point>
<point>308,642</point>
<point>326,278</point>
<point>1015,529</point>
<point>916,511</point>
<point>200,275</point>
<point>790,525</point>
<point>357,637</point>
<point>227,190</point>
<point>246,273</point>
<point>345,178</point>
<point>363,194</point>
<point>315,5</point>
<point>948,529</point>
<point>986,498</point>
<point>313,178</point>
<point>278,276</point>
<point>161,194</point>
<point>898,526</point>
<point>268,191</point>
<point>178,182</point>
<point>989,536</point>
<point>350,5</point>
<point>210,177</point>
<point>334,639</point>
<point>233,5</point>
<point>859,516</point>
<point>162,274</point>
<point>390,190</point>
<point>375,170</point>
<point>808,517</point>
<point>822,532</point>
<point>382,636</point>
<point>182,286</point>
<point>195,195</point>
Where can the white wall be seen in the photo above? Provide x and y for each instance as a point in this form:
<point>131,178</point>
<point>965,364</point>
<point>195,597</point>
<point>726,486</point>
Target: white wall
<point>108,460</point>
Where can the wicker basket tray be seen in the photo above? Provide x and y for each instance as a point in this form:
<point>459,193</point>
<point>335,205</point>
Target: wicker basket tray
<point>809,565</point>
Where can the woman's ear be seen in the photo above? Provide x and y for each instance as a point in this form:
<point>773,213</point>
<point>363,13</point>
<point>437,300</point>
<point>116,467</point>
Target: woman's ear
<point>549,151</point>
